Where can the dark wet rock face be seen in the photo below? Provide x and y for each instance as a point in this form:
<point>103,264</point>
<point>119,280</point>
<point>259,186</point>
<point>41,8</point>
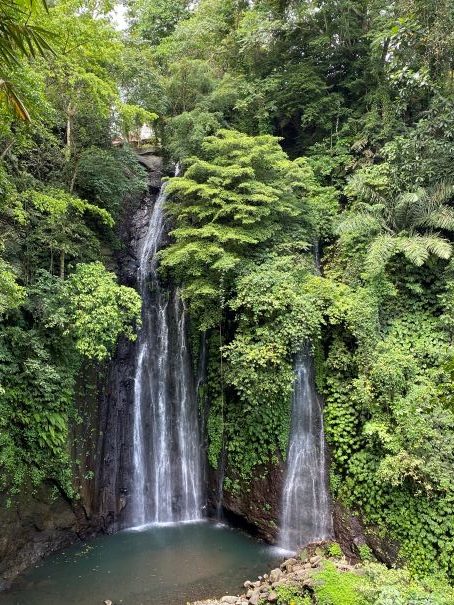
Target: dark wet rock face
<point>352,534</point>
<point>114,468</point>
<point>133,223</point>
<point>35,526</point>
<point>257,505</point>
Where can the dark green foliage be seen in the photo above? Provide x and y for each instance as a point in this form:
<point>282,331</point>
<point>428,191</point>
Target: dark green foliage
<point>59,306</point>
<point>314,206</point>
<point>361,95</point>
<point>107,177</point>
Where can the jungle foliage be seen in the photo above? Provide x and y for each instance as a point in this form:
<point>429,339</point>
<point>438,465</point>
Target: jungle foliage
<point>61,186</point>
<point>315,205</point>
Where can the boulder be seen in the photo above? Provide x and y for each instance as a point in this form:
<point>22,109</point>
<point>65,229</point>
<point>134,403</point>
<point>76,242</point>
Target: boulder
<point>301,574</point>
<point>272,597</point>
<point>308,582</point>
<point>229,599</point>
<point>282,582</point>
<point>288,564</point>
<point>275,575</point>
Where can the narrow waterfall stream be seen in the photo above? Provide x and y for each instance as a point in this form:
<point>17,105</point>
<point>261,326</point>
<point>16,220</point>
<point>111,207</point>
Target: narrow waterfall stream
<point>306,514</point>
<point>167,485</point>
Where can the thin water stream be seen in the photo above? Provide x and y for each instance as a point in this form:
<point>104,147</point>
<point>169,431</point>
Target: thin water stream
<point>306,513</point>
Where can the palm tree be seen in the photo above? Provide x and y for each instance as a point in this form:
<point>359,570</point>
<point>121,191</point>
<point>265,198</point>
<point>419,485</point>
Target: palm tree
<point>409,223</point>
<point>18,38</point>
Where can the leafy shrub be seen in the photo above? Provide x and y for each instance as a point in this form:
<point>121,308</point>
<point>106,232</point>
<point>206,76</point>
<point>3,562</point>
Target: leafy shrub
<point>334,550</point>
<point>397,587</point>
<point>334,587</point>
<point>291,595</point>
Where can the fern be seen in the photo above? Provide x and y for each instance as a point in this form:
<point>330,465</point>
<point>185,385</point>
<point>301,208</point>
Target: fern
<point>401,224</point>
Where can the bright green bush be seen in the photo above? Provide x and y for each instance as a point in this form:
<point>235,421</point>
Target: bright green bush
<point>334,587</point>
<point>334,550</point>
<point>291,595</point>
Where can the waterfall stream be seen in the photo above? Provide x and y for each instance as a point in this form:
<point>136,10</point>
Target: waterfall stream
<point>167,478</point>
<point>306,514</point>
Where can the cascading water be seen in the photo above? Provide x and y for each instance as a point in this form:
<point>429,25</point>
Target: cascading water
<point>306,514</point>
<point>167,481</point>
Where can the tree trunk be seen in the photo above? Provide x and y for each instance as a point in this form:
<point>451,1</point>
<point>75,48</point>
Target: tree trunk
<point>70,113</point>
<point>74,176</point>
<point>5,151</point>
<point>62,264</point>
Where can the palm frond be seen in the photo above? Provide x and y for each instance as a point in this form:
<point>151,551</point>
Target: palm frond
<point>382,249</point>
<point>442,218</point>
<point>424,208</point>
<point>406,210</point>
<point>22,39</point>
<point>360,223</point>
<point>438,245</point>
<point>413,248</point>
<point>417,248</point>
<point>368,193</point>
<point>441,193</point>
<point>19,38</point>
<point>14,101</point>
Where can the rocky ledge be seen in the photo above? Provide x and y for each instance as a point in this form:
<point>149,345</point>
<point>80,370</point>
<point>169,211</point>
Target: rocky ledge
<point>297,572</point>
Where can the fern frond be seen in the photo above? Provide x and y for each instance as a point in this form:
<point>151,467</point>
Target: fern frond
<point>438,245</point>
<point>360,224</point>
<point>418,247</point>
<point>441,193</point>
<point>414,249</point>
<point>382,249</point>
<point>368,193</point>
<point>442,218</point>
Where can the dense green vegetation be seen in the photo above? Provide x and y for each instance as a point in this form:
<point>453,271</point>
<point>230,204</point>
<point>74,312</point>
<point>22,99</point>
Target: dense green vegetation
<point>61,184</point>
<point>367,583</point>
<point>315,204</point>
<point>318,130</point>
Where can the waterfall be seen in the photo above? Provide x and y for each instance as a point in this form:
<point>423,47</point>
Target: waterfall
<point>167,481</point>
<point>306,515</point>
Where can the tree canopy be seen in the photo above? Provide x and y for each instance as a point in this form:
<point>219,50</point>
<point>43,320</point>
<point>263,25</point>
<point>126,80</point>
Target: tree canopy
<point>314,207</point>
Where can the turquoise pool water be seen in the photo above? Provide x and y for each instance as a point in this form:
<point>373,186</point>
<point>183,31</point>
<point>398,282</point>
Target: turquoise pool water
<point>166,565</point>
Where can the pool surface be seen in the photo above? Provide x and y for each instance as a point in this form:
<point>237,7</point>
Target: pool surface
<point>154,565</point>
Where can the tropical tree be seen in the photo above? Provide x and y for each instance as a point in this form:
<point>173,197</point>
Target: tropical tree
<point>410,223</point>
<point>238,195</point>
<point>19,38</point>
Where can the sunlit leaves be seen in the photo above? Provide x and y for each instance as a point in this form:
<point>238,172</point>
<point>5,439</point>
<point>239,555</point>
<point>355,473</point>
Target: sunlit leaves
<point>237,196</point>
<point>99,310</point>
